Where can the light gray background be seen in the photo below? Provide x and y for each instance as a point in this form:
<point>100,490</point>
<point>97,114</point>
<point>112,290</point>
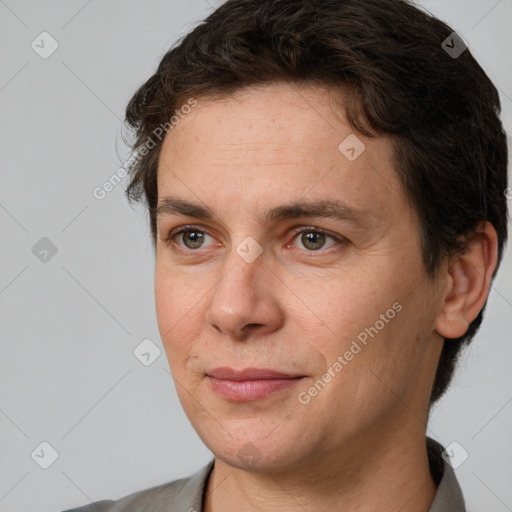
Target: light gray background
<point>69,326</point>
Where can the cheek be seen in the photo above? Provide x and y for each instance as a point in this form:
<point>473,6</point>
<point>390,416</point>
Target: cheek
<point>345,304</point>
<point>167,305</point>
<point>177,307</point>
<point>365,317</point>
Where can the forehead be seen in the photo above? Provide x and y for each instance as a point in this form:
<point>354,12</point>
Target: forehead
<point>275,142</point>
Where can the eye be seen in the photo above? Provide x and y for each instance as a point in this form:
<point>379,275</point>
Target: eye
<point>315,239</point>
<point>190,237</point>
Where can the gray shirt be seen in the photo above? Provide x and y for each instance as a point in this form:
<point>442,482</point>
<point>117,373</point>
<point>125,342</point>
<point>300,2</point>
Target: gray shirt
<point>186,494</point>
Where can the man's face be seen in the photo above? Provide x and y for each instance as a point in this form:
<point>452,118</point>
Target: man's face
<point>340,302</point>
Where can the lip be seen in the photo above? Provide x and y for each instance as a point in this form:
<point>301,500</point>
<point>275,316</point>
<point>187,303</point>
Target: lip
<point>225,373</point>
<point>249,384</point>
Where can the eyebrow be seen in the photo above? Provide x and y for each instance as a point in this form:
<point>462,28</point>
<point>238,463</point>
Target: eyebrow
<point>334,209</point>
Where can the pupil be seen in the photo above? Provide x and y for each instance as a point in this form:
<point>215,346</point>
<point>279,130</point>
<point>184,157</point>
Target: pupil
<point>193,239</point>
<point>313,240</point>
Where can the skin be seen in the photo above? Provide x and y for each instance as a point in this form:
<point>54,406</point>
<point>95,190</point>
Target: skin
<point>359,443</point>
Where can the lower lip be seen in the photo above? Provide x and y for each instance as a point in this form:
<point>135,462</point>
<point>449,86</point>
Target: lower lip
<point>247,390</point>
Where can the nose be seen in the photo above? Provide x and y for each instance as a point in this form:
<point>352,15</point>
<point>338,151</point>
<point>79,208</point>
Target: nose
<point>245,300</point>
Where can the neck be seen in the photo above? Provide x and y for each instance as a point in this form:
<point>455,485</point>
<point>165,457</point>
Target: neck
<point>386,476</point>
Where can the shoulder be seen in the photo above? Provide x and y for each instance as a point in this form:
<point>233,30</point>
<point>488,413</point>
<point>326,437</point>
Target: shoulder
<point>98,506</point>
<point>183,495</point>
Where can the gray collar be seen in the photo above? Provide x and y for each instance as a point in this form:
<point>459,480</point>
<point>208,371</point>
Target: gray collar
<point>449,494</point>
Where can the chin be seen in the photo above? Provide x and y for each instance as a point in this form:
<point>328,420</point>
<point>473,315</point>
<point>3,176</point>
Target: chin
<point>250,458</point>
<point>265,453</point>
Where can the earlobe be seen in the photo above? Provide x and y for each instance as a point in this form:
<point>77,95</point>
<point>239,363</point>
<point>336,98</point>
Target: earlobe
<point>468,282</point>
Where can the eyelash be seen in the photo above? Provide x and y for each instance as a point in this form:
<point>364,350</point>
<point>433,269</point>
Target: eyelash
<point>302,229</point>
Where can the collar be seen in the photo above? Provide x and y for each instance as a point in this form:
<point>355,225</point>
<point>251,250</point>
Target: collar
<point>449,494</point>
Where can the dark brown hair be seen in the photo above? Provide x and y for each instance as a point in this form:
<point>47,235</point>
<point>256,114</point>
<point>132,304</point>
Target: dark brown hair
<point>441,110</point>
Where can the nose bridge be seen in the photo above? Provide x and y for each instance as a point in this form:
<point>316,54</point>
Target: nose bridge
<point>237,286</point>
<point>244,262</point>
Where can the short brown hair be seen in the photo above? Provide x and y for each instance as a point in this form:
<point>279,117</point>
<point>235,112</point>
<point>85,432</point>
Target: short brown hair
<point>441,111</point>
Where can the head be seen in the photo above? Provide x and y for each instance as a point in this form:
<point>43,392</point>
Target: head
<point>348,116</point>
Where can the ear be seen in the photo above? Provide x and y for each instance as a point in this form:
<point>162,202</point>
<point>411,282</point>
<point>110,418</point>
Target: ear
<point>468,282</point>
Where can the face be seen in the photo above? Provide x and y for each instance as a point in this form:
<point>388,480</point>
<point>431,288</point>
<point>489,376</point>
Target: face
<point>284,246</point>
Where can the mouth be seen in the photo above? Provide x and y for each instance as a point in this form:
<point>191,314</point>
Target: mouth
<point>249,384</point>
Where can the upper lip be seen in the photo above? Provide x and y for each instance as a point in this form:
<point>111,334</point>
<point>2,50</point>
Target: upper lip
<point>249,374</point>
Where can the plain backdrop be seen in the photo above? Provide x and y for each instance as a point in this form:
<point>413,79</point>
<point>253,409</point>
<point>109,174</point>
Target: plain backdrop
<point>76,274</point>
